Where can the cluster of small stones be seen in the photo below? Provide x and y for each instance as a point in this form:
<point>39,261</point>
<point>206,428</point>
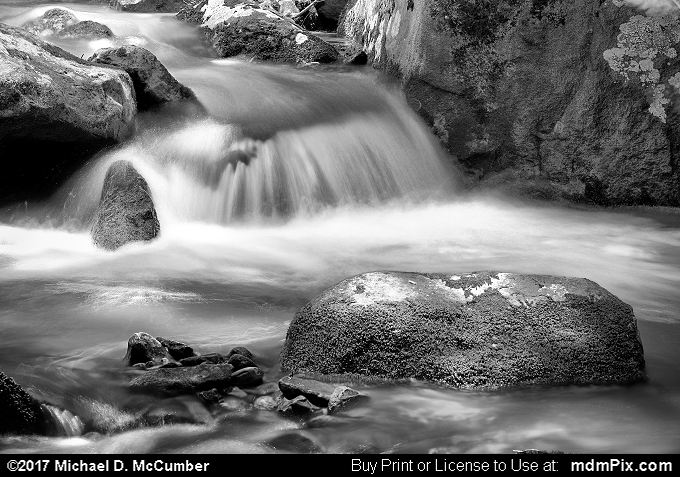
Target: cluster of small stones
<point>229,380</point>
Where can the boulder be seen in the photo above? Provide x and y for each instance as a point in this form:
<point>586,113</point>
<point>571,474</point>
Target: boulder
<point>86,30</point>
<point>317,392</point>
<point>144,348</point>
<point>236,27</point>
<point>148,6</point>
<point>247,377</point>
<point>183,380</point>
<point>214,358</point>
<point>56,110</point>
<point>177,349</point>
<point>154,85</point>
<point>51,22</point>
<point>483,330</point>
<point>126,212</point>
<point>21,413</point>
<point>541,97</point>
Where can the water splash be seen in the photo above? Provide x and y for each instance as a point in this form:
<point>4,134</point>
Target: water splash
<point>65,423</point>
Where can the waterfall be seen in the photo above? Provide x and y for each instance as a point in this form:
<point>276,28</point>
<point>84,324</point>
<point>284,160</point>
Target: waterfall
<point>63,421</point>
<point>210,171</point>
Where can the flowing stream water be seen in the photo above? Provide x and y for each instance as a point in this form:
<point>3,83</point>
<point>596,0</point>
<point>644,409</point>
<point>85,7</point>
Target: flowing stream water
<point>295,179</point>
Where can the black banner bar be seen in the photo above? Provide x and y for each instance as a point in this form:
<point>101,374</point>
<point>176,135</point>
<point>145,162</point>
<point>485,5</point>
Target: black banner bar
<point>369,465</point>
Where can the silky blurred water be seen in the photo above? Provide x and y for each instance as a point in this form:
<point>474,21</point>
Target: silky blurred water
<point>366,189</point>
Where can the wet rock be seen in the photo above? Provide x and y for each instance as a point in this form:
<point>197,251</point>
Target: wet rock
<point>442,328</point>
<point>248,377</point>
<point>21,413</point>
<point>317,392</point>
<point>56,111</point>
<point>148,6</point>
<point>177,349</point>
<point>242,351</point>
<point>183,380</point>
<point>266,403</point>
<point>354,55</point>
<point>154,85</point>
<point>215,358</point>
<point>521,92</point>
<point>235,27</point>
<point>297,442</point>
<point>211,396</point>
<point>325,420</point>
<point>126,212</point>
<point>51,22</point>
<point>297,405</point>
<point>170,364</point>
<point>87,30</point>
<point>144,348</point>
<point>344,397</point>
<point>238,361</point>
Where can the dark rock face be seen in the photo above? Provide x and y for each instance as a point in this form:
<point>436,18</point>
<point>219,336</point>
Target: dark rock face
<point>247,377</point>
<point>154,85</point>
<point>329,13</point>
<point>21,414</point>
<point>142,348</point>
<point>148,6</point>
<point>126,212</point>
<point>482,330</point>
<point>241,28</point>
<point>56,110</point>
<point>238,361</point>
<point>523,93</point>
<point>177,349</point>
<point>51,22</point>
<point>183,380</point>
<point>86,30</point>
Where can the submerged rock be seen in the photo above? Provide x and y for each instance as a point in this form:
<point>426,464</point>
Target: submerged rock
<point>236,27</point>
<point>154,85</point>
<point>87,29</point>
<point>183,380</point>
<point>483,330</point>
<point>51,22</point>
<point>149,6</point>
<point>144,348</point>
<point>21,413</point>
<point>126,212</point>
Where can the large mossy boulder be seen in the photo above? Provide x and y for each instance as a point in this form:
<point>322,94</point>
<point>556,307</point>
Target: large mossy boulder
<point>56,110</point>
<point>154,85</point>
<point>149,6</point>
<point>481,330</point>
<point>573,99</point>
<point>126,212</point>
<point>240,27</point>
<point>21,413</point>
